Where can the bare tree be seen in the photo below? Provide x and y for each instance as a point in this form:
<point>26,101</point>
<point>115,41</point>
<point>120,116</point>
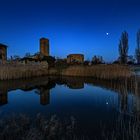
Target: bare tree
<point>123,48</point>
<point>16,57</point>
<point>137,51</point>
<point>27,54</point>
<point>97,60</point>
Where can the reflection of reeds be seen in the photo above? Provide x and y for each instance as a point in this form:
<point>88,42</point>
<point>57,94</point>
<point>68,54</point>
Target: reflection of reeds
<point>125,128</point>
<point>123,86</point>
<point>107,72</point>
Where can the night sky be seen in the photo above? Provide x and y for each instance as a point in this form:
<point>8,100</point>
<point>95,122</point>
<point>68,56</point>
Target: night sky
<point>73,26</point>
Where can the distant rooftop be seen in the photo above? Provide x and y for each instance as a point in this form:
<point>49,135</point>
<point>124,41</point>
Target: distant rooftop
<point>43,38</point>
<point>2,45</point>
<point>76,54</point>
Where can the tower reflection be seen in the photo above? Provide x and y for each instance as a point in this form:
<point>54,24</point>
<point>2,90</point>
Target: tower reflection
<point>3,98</point>
<point>44,96</point>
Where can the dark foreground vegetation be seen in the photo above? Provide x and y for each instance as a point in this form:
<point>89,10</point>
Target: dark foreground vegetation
<point>23,127</point>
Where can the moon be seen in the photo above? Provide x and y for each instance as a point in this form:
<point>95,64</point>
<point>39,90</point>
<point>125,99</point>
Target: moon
<point>107,33</point>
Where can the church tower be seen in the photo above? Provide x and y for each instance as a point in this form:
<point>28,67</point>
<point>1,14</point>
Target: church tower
<point>44,46</point>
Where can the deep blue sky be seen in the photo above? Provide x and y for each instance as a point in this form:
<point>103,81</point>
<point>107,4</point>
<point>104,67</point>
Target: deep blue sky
<point>73,26</point>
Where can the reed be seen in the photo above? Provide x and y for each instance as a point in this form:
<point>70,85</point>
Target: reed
<point>107,72</point>
<point>20,71</point>
<point>124,128</point>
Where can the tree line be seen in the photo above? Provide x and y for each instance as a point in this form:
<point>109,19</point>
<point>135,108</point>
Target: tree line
<point>124,46</point>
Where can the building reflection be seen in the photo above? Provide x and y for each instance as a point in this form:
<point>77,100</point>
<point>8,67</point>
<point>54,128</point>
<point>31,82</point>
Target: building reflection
<point>3,98</point>
<point>44,96</point>
<point>42,85</point>
<point>75,85</point>
<point>71,82</point>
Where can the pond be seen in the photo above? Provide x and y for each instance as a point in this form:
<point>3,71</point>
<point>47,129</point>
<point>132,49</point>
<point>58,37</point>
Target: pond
<point>102,109</point>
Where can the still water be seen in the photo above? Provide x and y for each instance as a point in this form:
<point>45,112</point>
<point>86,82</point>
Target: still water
<point>98,106</point>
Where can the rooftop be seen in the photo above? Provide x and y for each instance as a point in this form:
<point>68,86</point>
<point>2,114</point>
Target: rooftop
<point>76,54</point>
<point>2,45</point>
<point>43,38</point>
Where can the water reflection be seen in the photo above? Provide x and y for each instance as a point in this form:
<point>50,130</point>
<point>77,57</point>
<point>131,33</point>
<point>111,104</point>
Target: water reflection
<point>97,102</point>
<point>43,85</point>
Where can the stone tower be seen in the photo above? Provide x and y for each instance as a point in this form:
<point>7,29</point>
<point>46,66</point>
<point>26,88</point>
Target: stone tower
<point>44,46</point>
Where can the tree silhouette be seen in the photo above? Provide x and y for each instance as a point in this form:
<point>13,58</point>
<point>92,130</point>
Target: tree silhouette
<point>97,60</point>
<point>123,48</point>
<point>137,51</point>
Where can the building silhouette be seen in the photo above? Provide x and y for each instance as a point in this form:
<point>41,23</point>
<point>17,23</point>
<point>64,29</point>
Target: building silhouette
<point>3,53</point>
<point>79,58</point>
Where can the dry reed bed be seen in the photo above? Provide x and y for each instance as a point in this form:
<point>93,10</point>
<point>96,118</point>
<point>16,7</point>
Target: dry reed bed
<point>107,72</point>
<point>22,71</point>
